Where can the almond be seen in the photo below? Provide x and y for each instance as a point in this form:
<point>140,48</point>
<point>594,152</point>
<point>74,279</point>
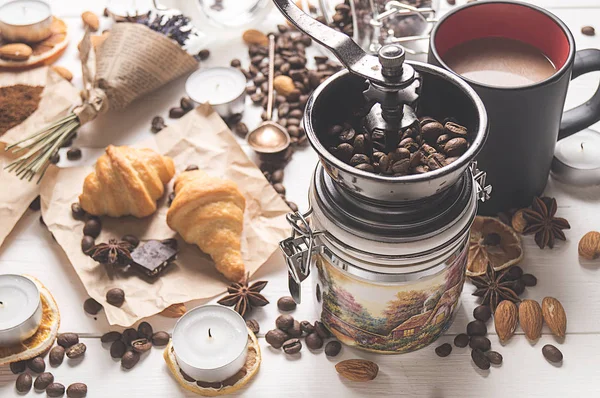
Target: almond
<point>284,85</point>
<point>357,369</point>
<point>90,20</point>
<point>64,72</point>
<point>505,320</point>
<point>174,311</point>
<point>530,318</point>
<point>555,316</point>
<point>253,36</point>
<point>16,52</point>
<point>589,245</point>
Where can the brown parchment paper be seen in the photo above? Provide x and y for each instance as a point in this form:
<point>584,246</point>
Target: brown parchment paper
<point>56,99</point>
<point>199,138</point>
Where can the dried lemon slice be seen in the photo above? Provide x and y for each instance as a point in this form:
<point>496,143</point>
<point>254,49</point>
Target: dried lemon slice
<point>228,386</point>
<point>43,339</point>
<point>46,51</point>
<point>492,242</point>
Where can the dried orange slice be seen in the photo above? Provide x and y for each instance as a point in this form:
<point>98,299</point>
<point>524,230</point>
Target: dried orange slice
<point>43,339</point>
<point>492,242</point>
<point>228,386</point>
<point>46,51</point>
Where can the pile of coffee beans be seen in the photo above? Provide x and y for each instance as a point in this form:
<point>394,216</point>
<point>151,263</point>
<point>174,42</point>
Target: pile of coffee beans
<point>288,333</point>
<point>67,343</point>
<point>131,344</point>
<point>425,146</point>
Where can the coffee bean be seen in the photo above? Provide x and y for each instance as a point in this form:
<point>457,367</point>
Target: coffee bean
<point>18,367</point>
<point>176,113</point>
<point>307,327</point>
<point>118,349</point>
<point>110,337</point>
<point>76,351</point>
<point>476,328</point>
<point>235,63</point>
<point>37,365</point>
<point>130,359</point>
<point>518,287</point>
<point>461,340</point>
<point>77,212</point>
<point>513,273</point>
<point>115,297</point>
<point>277,176</point>
<point>204,54</point>
<point>55,390</point>
<point>314,341</point>
<point>480,342</point>
<point>456,147</point>
<point>293,206</point>
<point>359,159</point>
<point>43,381</point>
<point>292,346</point>
<point>284,322</point>
<point>67,340</point>
<point>145,330</point>
<point>529,280</point>
<point>494,357</point>
<point>54,159</point>
<point>365,167</point>
<point>253,325</point>
<point>451,2</point>
<point>588,30</point>
<point>482,313</point>
<point>240,129</point>
<point>276,338</point>
<point>35,205</point>
<point>157,124</point>
<point>551,353</point>
<point>129,335</point>
<point>24,383</point>
<point>91,306</point>
<point>160,338</point>
<point>56,356</point>
<point>444,350</point>
<point>131,239</point>
<point>321,330</point>
<point>286,303</point>
<point>141,345</point>
<point>333,348</point>
<point>77,390</point>
<point>431,131</point>
<point>92,227</point>
<point>87,242</point>
<point>74,154</point>
<point>480,359</point>
<point>295,330</point>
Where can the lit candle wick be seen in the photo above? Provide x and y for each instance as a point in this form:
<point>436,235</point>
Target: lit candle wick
<point>209,335</point>
<point>582,146</point>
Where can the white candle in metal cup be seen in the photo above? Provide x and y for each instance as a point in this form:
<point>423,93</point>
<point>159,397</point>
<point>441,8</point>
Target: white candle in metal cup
<point>211,343</point>
<point>26,21</point>
<point>223,87</point>
<point>20,309</point>
<point>577,158</point>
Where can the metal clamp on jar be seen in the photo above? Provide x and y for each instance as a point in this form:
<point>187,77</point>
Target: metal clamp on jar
<point>390,252</point>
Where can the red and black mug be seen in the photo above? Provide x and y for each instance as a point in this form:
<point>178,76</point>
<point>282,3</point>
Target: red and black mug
<point>525,121</point>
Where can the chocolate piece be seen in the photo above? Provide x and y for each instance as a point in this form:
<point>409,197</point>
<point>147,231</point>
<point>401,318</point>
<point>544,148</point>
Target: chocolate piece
<point>153,257</point>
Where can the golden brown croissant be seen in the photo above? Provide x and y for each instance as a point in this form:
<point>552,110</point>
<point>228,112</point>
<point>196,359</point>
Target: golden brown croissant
<point>126,181</point>
<point>209,212</point>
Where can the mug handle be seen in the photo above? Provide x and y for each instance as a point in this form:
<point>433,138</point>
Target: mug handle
<point>586,114</point>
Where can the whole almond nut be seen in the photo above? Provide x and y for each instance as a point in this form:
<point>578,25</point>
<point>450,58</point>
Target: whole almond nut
<point>589,245</point>
<point>530,318</point>
<point>64,72</point>
<point>554,316</point>
<point>253,36</point>
<point>16,52</point>
<point>284,85</point>
<point>505,320</point>
<point>174,311</point>
<point>518,222</point>
<point>357,369</point>
<point>90,20</point>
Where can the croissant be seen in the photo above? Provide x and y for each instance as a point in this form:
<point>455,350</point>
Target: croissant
<point>209,212</point>
<point>126,181</point>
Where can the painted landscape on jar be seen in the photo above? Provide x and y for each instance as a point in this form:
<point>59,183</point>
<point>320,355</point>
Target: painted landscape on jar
<point>390,318</point>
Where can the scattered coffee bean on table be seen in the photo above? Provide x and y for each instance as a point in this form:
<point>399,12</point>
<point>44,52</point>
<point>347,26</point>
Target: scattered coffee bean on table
<point>529,280</point>
<point>129,335</point>
<point>552,354</point>
<point>313,341</point>
<point>253,325</point>
<point>87,242</point>
<point>141,345</point>
<point>55,390</point>
<point>461,340</point>
<point>77,390</point>
<point>307,327</point>
<point>286,303</point>
<point>160,338</point>
<point>77,212</point>
<point>333,348</point>
<point>292,346</point>
<point>204,54</point>
<point>480,359</point>
<point>443,350</point>
<point>92,227</point>
<point>43,381</point>
<point>588,30</point>
<point>57,355</point>
<point>482,313</point>
<point>74,154</point>
<point>476,328</point>
<point>130,359</point>
<point>118,349</point>
<point>110,337</point>
<point>132,239</point>
<point>18,367</point>
<point>145,330</point>
<point>158,123</point>
<point>24,383</point>
<point>115,297</point>
<point>37,365</point>
<point>276,338</point>
<point>176,113</point>
<point>76,351</point>
<point>321,330</point>
<point>284,322</point>
<point>494,357</point>
<point>91,306</point>
<point>480,342</point>
<point>295,330</point>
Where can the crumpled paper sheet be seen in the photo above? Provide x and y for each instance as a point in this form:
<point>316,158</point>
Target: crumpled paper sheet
<point>58,96</point>
<point>199,138</point>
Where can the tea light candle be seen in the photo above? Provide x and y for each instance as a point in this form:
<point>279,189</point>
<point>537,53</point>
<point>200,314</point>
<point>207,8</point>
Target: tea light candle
<point>26,21</point>
<point>20,309</point>
<point>210,343</point>
<point>577,158</point>
<point>223,87</point>
<point>120,9</point>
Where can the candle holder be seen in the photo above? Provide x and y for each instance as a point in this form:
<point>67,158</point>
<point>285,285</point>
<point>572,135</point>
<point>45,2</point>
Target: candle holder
<point>20,309</point>
<point>224,88</point>
<point>25,21</point>
<point>577,159</point>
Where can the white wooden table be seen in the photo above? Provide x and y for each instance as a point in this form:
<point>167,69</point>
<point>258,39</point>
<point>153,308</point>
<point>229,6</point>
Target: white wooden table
<point>524,373</point>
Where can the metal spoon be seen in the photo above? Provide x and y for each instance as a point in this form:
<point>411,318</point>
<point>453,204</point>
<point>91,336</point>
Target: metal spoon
<point>269,137</point>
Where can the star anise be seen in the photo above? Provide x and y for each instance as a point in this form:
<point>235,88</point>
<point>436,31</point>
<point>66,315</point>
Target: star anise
<point>494,287</point>
<point>115,252</point>
<point>541,222</point>
<point>243,297</point>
